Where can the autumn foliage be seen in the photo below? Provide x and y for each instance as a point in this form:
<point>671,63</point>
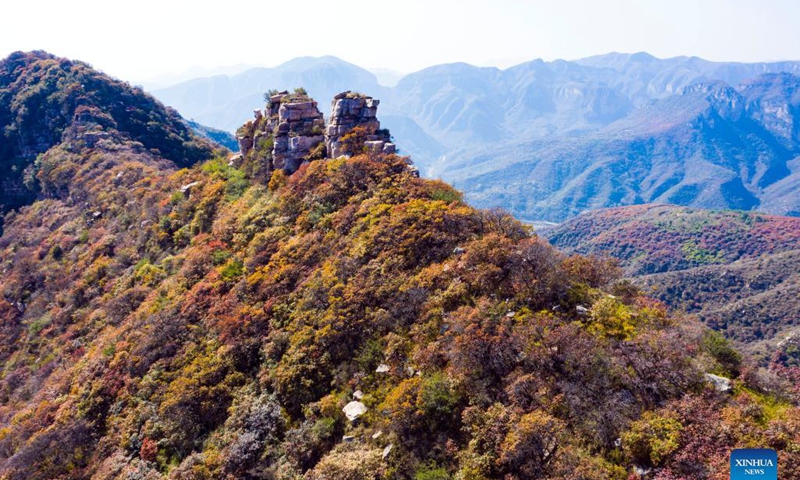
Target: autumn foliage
<point>202,324</point>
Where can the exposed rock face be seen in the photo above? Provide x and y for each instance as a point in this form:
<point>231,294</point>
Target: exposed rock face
<point>285,135</point>
<point>292,130</point>
<point>721,384</point>
<point>350,110</point>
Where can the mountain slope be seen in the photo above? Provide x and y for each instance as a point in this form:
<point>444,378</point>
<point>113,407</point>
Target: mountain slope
<point>705,147</point>
<point>348,321</point>
<point>736,270</point>
<point>45,99</point>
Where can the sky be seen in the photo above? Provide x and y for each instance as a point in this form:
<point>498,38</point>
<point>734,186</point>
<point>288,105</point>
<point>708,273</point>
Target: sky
<point>143,39</point>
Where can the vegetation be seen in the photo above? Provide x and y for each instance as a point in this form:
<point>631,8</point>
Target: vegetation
<point>738,271</point>
<point>44,100</point>
<point>203,323</point>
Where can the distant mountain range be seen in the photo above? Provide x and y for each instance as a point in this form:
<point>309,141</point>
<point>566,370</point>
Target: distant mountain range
<point>548,140</point>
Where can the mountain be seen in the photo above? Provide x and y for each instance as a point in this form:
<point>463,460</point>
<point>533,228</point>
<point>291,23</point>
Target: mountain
<point>738,271</point>
<point>224,101</point>
<point>347,320</point>
<point>47,101</point>
<point>710,146</point>
<point>220,137</point>
<point>548,140</point>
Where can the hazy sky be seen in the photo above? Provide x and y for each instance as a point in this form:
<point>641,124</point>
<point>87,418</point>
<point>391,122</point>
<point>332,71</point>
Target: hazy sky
<point>137,40</point>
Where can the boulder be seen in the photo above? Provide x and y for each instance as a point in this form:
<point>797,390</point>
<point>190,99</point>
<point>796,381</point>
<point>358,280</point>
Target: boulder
<point>721,384</point>
<point>187,189</point>
<point>387,451</point>
<point>354,409</point>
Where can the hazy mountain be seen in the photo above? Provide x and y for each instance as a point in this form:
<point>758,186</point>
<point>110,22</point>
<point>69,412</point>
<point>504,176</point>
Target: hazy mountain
<point>710,145</point>
<point>225,102</point>
<point>548,140</point>
<point>169,79</point>
<point>387,77</point>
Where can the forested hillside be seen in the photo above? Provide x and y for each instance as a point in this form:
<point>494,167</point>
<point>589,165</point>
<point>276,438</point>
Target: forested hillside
<point>347,321</point>
<point>738,271</point>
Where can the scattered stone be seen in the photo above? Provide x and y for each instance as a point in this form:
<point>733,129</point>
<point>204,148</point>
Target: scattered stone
<point>410,371</point>
<point>641,471</point>
<point>353,410</point>
<point>97,214</point>
<point>348,438</point>
<point>377,434</point>
<point>387,450</point>
<point>721,384</point>
<point>235,160</point>
<point>582,310</point>
<point>382,368</point>
<point>511,314</point>
<point>186,189</point>
<point>358,394</point>
<point>458,251</point>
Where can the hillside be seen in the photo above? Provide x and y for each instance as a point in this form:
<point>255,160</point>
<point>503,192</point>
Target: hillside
<point>45,100</point>
<point>346,320</point>
<point>738,271</point>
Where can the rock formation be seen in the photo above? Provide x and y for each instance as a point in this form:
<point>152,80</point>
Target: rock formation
<point>348,111</point>
<point>285,134</point>
<point>292,130</point>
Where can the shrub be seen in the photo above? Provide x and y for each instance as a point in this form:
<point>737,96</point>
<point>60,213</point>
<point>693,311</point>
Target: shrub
<point>652,438</point>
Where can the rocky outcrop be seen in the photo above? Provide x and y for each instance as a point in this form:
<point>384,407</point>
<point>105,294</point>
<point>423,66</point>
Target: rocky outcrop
<point>291,130</point>
<point>285,135</point>
<point>351,110</point>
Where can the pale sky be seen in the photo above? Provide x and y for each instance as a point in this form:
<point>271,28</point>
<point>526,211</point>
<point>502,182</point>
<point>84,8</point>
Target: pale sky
<point>137,40</point>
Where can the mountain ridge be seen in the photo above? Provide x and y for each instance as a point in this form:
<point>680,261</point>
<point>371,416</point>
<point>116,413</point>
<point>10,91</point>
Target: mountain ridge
<point>496,134</point>
<point>46,101</point>
<point>342,318</point>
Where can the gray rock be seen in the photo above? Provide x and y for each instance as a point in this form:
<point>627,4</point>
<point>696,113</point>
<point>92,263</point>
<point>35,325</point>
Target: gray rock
<point>382,368</point>
<point>354,409</point>
<point>186,189</point>
<point>721,384</point>
<point>235,160</point>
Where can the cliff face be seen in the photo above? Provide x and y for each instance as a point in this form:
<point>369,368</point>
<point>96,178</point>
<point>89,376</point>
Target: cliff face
<point>349,111</point>
<point>292,130</point>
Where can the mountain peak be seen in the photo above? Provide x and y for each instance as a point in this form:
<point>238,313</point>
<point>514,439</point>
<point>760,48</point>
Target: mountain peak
<point>292,131</point>
<point>46,100</point>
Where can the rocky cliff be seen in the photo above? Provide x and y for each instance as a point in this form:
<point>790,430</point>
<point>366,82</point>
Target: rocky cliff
<point>292,130</point>
<point>349,111</point>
